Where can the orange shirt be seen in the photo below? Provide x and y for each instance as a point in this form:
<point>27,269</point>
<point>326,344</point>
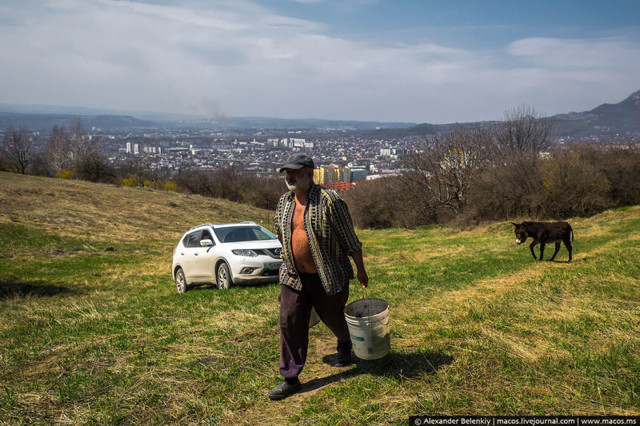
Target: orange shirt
<point>300,242</point>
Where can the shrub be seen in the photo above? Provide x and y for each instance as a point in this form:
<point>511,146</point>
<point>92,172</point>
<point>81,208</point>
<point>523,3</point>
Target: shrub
<point>170,186</point>
<point>384,203</point>
<point>510,188</point>
<point>92,166</point>
<point>66,174</point>
<point>128,181</point>
<point>572,185</point>
<point>621,166</point>
<point>264,191</point>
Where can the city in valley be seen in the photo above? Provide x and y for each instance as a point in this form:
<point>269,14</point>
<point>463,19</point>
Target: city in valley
<point>339,156</point>
<point>345,152</point>
<point>345,156</point>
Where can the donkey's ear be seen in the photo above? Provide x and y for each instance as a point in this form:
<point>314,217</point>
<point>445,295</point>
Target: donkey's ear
<point>514,224</point>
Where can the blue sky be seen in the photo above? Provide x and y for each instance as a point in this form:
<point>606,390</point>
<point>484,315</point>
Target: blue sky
<point>416,61</point>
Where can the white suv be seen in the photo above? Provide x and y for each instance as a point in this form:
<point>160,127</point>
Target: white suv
<point>234,253</point>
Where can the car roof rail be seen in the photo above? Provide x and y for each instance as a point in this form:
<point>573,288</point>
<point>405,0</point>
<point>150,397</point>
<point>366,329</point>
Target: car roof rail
<point>246,222</point>
<point>198,226</point>
<point>225,225</point>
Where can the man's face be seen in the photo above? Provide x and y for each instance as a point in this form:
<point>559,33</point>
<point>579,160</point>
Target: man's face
<point>298,179</point>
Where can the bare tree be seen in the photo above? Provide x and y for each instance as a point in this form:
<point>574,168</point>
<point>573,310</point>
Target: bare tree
<point>374,204</point>
<point>18,149</point>
<point>93,166</point>
<point>58,152</point>
<point>524,130</point>
<point>572,184</point>
<point>621,165</point>
<point>510,188</point>
<point>232,183</point>
<point>442,171</point>
<point>264,191</point>
<point>196,182</point>
<point>136,169</point>
<point>80,146</point>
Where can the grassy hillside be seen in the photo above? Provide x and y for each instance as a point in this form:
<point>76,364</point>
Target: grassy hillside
<point>92,331</point>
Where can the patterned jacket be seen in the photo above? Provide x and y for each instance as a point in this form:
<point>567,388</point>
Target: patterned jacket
<point>331,238</point>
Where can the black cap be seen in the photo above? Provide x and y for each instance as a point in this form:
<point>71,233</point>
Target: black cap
<point>297,161</point>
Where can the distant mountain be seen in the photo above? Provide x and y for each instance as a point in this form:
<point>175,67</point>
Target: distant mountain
<point>313,123</point>
<point>42,118</point>
<point>43,122</point>
<point>425,129</point>
<point>605,121</point>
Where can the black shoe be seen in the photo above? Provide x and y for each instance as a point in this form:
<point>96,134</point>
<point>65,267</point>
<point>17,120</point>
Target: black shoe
<point>284,389</point>
<point>343,358</point>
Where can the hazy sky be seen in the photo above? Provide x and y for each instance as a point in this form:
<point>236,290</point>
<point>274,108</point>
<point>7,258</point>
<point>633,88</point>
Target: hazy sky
<point>434,61</point>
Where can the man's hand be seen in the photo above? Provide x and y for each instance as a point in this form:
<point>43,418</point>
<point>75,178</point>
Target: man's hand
<point>362,273</point>
<point>363,278</point>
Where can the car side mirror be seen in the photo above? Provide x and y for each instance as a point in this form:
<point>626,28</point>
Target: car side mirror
<point>206,243</point>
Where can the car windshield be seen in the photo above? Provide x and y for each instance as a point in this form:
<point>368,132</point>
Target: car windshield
<point>234,234</point>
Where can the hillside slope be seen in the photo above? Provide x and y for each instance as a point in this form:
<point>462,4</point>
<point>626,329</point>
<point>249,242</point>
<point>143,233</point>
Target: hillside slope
<point>107,212</point>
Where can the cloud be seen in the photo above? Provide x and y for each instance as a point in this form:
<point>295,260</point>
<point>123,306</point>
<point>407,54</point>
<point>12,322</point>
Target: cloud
<point>222,20</point>
<point>564,73</point>
<point>239,58</point>
<point>559,54</point>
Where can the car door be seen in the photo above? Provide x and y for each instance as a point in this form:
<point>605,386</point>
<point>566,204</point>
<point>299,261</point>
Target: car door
<point>204,258</point>
<point>189,255</point>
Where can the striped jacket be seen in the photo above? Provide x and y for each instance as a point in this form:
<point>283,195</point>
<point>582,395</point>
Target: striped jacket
<point>331,238</point>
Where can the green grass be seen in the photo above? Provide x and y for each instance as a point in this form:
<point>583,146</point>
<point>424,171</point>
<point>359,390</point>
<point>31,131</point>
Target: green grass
<point>92,331</point>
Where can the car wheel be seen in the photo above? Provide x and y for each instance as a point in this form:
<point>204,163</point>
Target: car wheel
<point>223,277</point>
<point>181,281</point>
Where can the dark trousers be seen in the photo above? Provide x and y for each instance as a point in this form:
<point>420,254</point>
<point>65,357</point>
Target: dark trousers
<point>295,309</point>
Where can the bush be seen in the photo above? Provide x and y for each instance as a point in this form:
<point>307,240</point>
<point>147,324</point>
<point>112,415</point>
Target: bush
<point>264,191</point>
<point>129,180</point>
<point>195,182</point>
<point>92,166</point>
<point>66,174</point>
<point>383,203</point>
<point>235,185</point>
<point>573,180</point>
<point>170,186</point>
<point>510,188</point>
<point>572,185</point>
<point>621,166</point>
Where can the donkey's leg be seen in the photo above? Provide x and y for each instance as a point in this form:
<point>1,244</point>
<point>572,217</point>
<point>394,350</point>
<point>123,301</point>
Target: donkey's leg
<point>531,246</point>
<point>555,252</point>
<point>567,243</point>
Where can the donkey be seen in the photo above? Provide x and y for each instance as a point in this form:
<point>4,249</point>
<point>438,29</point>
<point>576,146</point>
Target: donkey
<point>543,233</point>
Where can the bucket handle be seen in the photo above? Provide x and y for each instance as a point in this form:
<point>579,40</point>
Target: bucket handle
<point>364,292</point>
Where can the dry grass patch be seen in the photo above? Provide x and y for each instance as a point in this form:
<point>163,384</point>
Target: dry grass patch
<point>485,290</point>
<point>102,212</point>
<point>527,348</point>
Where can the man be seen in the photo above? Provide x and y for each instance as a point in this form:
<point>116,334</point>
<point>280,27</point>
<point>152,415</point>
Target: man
<point>315,229</point>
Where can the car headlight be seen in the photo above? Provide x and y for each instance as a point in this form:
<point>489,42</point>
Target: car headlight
<point>244,252</point>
